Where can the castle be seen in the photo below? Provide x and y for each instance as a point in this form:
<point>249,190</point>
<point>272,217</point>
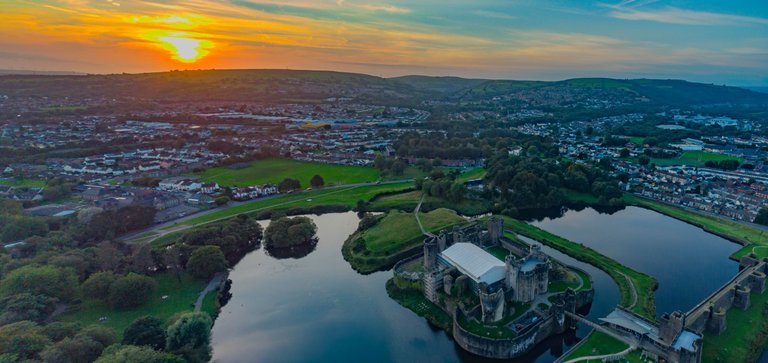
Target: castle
<point>495,282</point>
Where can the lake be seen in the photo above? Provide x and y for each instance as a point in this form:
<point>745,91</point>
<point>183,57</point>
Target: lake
<point>318,309</point>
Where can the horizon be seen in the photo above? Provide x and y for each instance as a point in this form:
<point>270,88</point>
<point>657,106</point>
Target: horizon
<point>705,41</point>
<point>29,72</point>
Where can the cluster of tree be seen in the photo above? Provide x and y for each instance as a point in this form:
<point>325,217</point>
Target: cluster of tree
<point>287,232</point>
<point>15,225</point>
<point>389,165</point>
<point>146,181</point>
<point>109,224</point>
<point>317,181</point>
<point>119,292</point>
<point>537,183</point>
<point>731,164</point>
<point>234,237</point>
<point>442,186</point>
<point>58,188</point>
<point>439,145</point>
<point>288,185</point>
<point>762,216</point>
<point>224,147</point>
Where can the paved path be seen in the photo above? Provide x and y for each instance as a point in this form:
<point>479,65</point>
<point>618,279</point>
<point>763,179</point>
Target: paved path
<point>632,290</point>
<point>604,356</point>
<point>212,286</point>
<point>418,220</point>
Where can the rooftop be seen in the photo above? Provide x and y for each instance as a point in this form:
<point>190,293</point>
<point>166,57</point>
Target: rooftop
<point>475,262</point>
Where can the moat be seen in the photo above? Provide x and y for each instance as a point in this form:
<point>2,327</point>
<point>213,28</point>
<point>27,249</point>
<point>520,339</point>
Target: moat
<point>318,308</point>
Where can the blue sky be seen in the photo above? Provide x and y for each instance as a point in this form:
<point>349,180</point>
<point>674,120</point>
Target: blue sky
<point>706,41</point>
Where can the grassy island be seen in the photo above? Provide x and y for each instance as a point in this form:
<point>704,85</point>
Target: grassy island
<point>394,236</point>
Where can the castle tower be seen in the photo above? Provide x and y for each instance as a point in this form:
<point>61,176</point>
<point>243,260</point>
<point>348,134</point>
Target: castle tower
<point>495,230</point>
<point>671,325</point>
<point>513,267</point>
<point>717,321</point>
<point>492,305</point>
<point>430,253</point>
<point>757,282</point>
<point>442,240</point>
<point>447,284</point>
<point>458,234</point>
<point>741,297</point>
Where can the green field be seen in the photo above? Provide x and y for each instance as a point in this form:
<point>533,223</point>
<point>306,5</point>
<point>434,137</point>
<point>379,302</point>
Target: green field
<point>408,201</point>
<point>398,228</point>
<point>598,343</point>
<point>743,332</point>
<point>275,170</point>
<point>23,183</point>
<point>181,297</point>
<point>393,238</point>
<point>694,158</point>
<point>643,284</point>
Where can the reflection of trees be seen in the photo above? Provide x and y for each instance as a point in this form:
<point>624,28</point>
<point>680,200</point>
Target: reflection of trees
<point>294,251</point>
<point>540,214</point>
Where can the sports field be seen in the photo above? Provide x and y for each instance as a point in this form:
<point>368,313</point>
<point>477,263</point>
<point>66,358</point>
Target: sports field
<point>275,170</point>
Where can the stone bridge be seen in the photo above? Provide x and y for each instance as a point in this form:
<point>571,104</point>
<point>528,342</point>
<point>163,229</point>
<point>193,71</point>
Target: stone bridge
<point>710,313</point>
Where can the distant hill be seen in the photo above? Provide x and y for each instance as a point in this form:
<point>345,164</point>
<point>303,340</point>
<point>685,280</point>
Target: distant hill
<point>312,86</point>
<point>39,73</point>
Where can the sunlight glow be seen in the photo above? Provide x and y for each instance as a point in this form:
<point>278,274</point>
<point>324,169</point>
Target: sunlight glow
<point>187,50</point>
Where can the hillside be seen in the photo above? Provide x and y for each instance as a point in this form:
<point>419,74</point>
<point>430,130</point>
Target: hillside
<point>312,86</point>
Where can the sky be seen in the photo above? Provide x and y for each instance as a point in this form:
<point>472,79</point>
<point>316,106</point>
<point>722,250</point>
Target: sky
<point>712,41</point>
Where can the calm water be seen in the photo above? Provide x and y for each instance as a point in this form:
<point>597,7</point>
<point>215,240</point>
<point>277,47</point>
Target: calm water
<point>317,309</point>
<point>688,262</point>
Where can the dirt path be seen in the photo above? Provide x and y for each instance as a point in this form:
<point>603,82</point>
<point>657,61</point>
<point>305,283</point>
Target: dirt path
<point>632,289</point>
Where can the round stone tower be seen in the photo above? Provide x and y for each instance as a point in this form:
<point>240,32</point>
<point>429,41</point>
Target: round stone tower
<point>757,281</point>
<point>716,322</point>
<point>431,249</point>
<point>741,297</point>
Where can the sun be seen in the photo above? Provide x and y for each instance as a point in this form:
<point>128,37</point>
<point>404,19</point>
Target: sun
<point>187,50</point>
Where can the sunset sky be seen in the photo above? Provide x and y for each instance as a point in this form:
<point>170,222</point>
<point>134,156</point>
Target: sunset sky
<point>710,40</point>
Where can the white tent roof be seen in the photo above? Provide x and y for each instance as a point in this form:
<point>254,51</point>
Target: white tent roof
<point>475,262</point>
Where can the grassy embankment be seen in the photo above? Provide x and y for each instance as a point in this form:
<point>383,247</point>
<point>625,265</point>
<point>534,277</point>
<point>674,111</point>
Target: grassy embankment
<point>275,170</point>
<point>346,197</point>
<point>393,238</point>
<point>744,338</point>
<point>181,297</point>
<point>752,238</point>
<point>626,278</point>
<point>597,343</point>
<point>414,300</point>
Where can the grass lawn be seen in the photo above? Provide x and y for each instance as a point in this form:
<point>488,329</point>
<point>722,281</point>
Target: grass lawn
<point>400,228</point>
<point>343,196</point>
<point>499,252</point>
<point>415,301</point>
<point>694,158</point>
<point>407,201</point>
<point>723,227</point>
<point>472,174</point>
<point>181,297</point>
<point>742,329</point>
<point>645,285</point>
<point>760,251</point>
<point>637,140</point>
<point>598,344</point>
<point>275,170</point>
<point>23,183</point>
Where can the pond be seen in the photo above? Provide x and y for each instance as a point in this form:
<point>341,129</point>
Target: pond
<point>318,309</point>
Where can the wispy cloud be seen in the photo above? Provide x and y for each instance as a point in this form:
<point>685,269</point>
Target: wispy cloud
<point>494,14</point>
<point>631,10</point>
<point>386,8</point>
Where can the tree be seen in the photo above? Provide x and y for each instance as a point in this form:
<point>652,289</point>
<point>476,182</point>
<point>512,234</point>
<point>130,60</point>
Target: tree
<point>221,200</point>
<point>147,331</point>
<point>644,160</point>
<point>131,291</point>
<point>190,336</point>
<point>84,347</point>
<point>59,330</point>
<point>172,260</point>
<point>762,216</point>
<point>317,181</point>
<point>288,185</point>
<point>398,167</point>
<point>142,261</point>
<point>25,306</point>
<point>108,257</point>
<point>97,285</point>
<point>206,261</point>
<point>287,232</point>
<point>624,153</point>
<point>25,339</point>
<point>133,354</point>
<point>51,281</point>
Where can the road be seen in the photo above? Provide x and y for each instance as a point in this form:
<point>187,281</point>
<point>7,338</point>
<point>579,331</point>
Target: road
<point>163,229</point>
